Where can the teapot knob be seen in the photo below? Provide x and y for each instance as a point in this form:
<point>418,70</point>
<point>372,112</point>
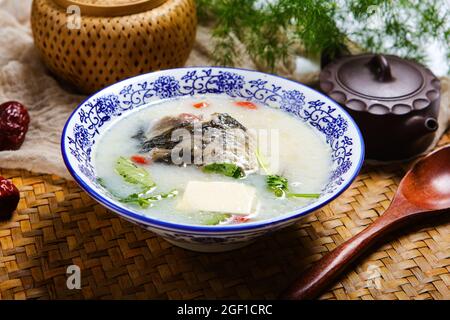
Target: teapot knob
<point>381,68</point>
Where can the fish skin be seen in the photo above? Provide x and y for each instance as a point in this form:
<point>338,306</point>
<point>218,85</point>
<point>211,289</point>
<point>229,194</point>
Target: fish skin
<point>220,132</point>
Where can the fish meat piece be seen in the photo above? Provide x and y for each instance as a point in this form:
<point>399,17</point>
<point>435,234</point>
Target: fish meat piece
<point>190,140</point>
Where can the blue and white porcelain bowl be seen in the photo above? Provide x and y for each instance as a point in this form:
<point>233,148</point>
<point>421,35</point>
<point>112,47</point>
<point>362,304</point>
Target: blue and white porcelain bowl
<point>92,118</point>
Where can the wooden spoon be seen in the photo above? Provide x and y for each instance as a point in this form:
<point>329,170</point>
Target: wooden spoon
<point>425,190</point>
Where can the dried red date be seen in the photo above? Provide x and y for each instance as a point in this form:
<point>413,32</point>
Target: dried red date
<point>9,198</point>
<point>14,121</point>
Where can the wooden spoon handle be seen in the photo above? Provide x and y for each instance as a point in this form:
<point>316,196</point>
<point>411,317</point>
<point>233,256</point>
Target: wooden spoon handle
<point>313,281</point>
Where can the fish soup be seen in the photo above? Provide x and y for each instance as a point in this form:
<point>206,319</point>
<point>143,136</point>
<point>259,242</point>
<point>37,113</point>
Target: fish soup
<point>212,161</point>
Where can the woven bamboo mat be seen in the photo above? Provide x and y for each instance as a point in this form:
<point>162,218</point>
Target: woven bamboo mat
<point>58,225</point>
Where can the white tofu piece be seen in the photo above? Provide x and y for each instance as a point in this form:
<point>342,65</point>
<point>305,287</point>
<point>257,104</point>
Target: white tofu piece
<point>218,196</point>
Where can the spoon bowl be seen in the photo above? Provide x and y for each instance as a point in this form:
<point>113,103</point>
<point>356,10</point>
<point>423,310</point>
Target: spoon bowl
<point>423,192</point>
<point>427,185</point>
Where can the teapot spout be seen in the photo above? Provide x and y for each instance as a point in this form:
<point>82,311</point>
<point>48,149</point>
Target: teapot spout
<point>419,126</point>
<point>431,124</point>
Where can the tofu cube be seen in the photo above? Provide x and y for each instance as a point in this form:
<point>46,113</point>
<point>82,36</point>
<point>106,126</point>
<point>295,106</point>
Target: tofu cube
<point>218,196</point>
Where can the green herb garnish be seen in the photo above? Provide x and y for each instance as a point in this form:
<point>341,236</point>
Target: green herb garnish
<point>303,195</point>
<point>279,186</point>
<point>101,182</point>
<point>261,161</point>
<point>138,176</point>
<point>227,169</point>
<point>133,174</point>
<point>145,200</point>
<point>215,219</point>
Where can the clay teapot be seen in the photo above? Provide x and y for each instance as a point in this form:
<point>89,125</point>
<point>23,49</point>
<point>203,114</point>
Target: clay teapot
<point>394,101</point>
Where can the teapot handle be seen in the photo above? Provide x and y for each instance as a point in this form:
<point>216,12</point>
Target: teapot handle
<point>380,66</point>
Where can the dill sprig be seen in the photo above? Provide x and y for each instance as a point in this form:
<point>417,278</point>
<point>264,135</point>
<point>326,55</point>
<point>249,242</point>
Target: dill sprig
<point>270,30</point>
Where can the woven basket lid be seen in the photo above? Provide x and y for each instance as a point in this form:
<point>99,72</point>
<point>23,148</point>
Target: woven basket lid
<point>109,8</point>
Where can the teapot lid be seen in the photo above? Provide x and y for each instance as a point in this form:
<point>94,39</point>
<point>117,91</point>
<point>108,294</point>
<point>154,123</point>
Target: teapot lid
<point>111,8</point>
<point>379,84</point>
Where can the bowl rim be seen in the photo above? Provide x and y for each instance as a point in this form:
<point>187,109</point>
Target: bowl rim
<point>263,224</point>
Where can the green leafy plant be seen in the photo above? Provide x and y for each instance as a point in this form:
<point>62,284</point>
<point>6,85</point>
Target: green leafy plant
<point>131,173</point>
<point>227,169</point>
<point>215,218</point>
<point>279,186</point>
<point>145,200</point>
<point>270,30</point>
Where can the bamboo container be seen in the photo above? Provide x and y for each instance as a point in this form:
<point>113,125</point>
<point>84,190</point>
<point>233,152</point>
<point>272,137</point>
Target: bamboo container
<point>95,43</point>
